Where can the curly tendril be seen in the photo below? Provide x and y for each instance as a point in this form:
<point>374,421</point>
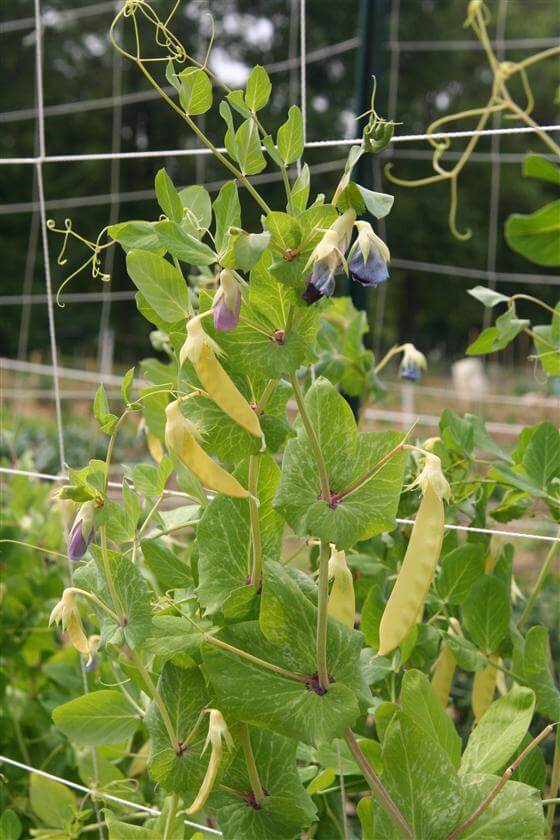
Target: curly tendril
<point>500,101</point>
<point>94,260</point>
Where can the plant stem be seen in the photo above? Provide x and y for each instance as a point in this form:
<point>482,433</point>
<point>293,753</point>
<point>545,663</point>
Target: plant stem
<point>500,784</point>
<point>156,697</point>
<point>554,785</point>
<point>536,301</point>
<point>398,348</point>
<point>97,601</point>
<point>377,787</point>
<point>109,577</point>
<point>168,830</point>
<point>256,569</point>
<point>322,616</point>
<point>269,389</point>
<point>252,771</point>
<point>313,440</point>
<point>539,584</point>
<point>283,672</point>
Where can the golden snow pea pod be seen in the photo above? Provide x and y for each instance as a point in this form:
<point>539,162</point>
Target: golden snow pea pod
<point>217,731</point>
<point>203,352</point>
<point>484,685</point>
<point>342,601</point>
<point>420,560</point>
<point>181,439</point>
<point>442,675</point>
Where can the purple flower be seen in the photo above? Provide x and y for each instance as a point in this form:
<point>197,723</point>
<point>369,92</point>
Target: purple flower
<point>320,282</point>
<point>227,303</point>
<point>368,257</point>
<point>412,364</point>
<point>327,257</point>
<point>82,532</point>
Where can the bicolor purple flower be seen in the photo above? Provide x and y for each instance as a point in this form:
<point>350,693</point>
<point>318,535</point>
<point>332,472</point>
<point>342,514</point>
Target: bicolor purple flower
<point>368,258</point>
<point>82,532</point>
<point>227,302</point>
<point>327,258</point>
<point>413,363</point>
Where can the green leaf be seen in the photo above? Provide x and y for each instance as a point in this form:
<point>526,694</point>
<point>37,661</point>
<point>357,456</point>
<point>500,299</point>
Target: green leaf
<point>273,152</point>
<point>196,91</point>
<point>459,570</point>
<point>421,705</point>
<point>106,420</point>
<point>174,635</point>
<point>542,456</point>
<point>516,814</point>
<point>536,670</point>
<point>300,190</point>
<point>286,809</point>
<point>183,245</point>
<point>54,804</point>
<point>467,655</point>
<point>169,570</point>
<point>126,386</point>
<point>184,694</point>
<point>486,613</point>
<point>227,212</point>
<point>100,717</point>
<point>248,147</point>
<point>499,732</point>
<point>119,830</point>
<point>137,235</point>
<point>457,433</point>
<point>506,328</point>
<point>536,166</point>
<point>488,297</point>
<point>532,770</point>
<point>168,197</point>
<point>378,204</point>
<point>363,513</point>
<point>290,136</point>
<point>161,284</point>
<point>421,779</point>
<point>149,480</point>
<point>134,596</point>
<point>10,825</point>
<point>224,539</point>
<point>249,248</point>
<point>536,236</point>
<point>198,206</point>
<point>258,88</point>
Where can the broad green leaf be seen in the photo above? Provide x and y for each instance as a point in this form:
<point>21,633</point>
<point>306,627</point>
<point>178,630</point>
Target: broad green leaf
<point>537,166</point>
<point>248,146</point>
<point>499,732</point>
<point>198,209</point>
<point>168,197</point>
<point>457,432</point>
<point>542,456</point>
<point>258,88</point>
<point>515,814</point>
<point>10,825</point>
<point>370,616</point>
<point>182,245</point>
<point>363,513</point>
<point>119,830</point>
<point>249,248</point>
<point>236,99</point>
<point>536,236</point>
<point>134,596</point>
<point>422,782</point>
<point>284,229</point>
<point>174,635</point>
<point>486,612</point>
<point>137,235</point>
<point>300,190</point>
<point>100,717</point>
<point>420,704</point>
<point>149,480</point>
<point>196,91</point>
<point>376,203</point>
<point>160,283</point>
<point>506,328</point>
<point>286,809</point>
<point>106,420</point>
<point>126,385</point>
<point>488,297</point>
<point>536,669</point>
<point>290,136</point>
<point>54,804</point>
<point>169,570</point>
<point>533,770</point>
<point>224,540</point>
<point>291,268</point>
<point>459,570</point>
<point>184,694</point>
<point>545,336</point>
<point>227,212</point>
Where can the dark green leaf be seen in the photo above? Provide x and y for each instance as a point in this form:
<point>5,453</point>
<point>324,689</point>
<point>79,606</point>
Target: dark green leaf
<point>486,613</point>
<point>459,570</point>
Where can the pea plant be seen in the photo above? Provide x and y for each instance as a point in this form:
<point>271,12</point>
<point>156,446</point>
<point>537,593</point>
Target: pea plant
<point>255,624</point>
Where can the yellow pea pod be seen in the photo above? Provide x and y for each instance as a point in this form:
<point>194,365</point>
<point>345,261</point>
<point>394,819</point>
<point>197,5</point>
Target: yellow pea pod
<point>217,731</point>
<point>202,351</point>
<point>484,685</point>
<point>342,601</point>
<point>442,675</point>
<point>76,634</point>
<point>420,560</point>
<point>181,439</point>
<point>155,447</point>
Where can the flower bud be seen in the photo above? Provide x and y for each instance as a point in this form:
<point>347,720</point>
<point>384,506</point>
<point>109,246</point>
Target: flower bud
<point>227,302</point>
<point>196,341</point>
<point>82,532</point>
<point>368,258</point>
<point>412,364</point>
<point>432,476</point>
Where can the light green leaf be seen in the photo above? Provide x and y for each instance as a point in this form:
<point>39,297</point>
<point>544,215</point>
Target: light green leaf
<point>536,670</point>
<point>486,612</point>
<point>499,732</point>
<point>378,204</point>
<point>141,235</point>
<point>126,385</point>
<point>10,825</point>
<point>196,91</point>
<point>248,249</point>
<point>134,596</point>
<point>168,197</point>
<point>290,136</point>
<point>488,297</point>
<point>227,212</point>
<point>182,245</point>
<point>51,802</point>
<point>300,190</point>
<point>516,814</point>
<point>421,705</point>
<point>467,655</point>
<point>537,166</point>
<point>198,210</point>
<point>169,570</point>
<point>258,88</point>
<point>100,717</point>
<point>542,456</point>
<point>286,809</point>
<point>160,283</point>
<point>119,830</point>
<point>536,236</point>
<point>248,146</point>
<point>106,420</point>
<point>459,570</point>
